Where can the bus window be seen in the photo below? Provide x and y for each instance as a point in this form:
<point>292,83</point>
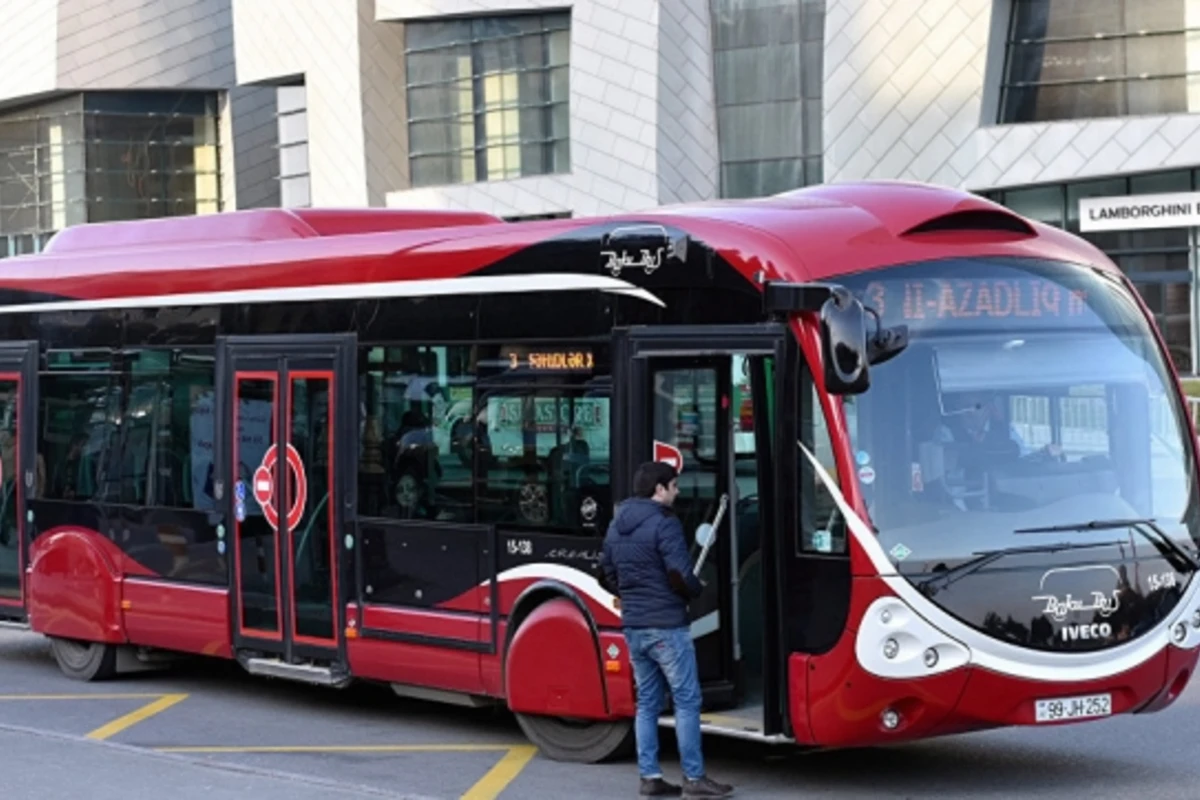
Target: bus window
<point>543,450</point>
<point>822,526</point>
<point>416,432</point>
<point>75,424</point>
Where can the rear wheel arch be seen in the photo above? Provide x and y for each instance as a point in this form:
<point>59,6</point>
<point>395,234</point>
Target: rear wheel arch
<point>533,596</point>
<point>563,739</point>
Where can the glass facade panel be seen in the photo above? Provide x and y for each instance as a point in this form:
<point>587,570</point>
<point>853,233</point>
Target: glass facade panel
<point>487,97</point>
<point>1159,261</point>
<point>1073,59</point>
<point>150,154</point>
<point>768,61</point>
<point>105,156</point>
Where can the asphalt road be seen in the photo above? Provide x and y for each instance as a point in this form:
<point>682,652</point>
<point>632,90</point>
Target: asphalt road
<point>208,730</point>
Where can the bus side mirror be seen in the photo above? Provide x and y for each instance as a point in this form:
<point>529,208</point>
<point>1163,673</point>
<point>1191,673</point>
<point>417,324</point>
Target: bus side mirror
<point>849,344</point>
<point>844,344</point>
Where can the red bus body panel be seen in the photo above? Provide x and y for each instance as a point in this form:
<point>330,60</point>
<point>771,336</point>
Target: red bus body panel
<point>175,616</point>
<point>432,665</point>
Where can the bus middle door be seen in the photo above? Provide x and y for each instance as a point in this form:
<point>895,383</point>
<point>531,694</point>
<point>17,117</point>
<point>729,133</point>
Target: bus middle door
<point>674,391</point>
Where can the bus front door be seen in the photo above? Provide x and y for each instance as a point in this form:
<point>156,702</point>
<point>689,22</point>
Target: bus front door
<point>287,467</point>
<point>21,472</point>
<point>705,395</point>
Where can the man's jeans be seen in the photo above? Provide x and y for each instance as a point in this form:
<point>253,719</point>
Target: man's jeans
<point>662,658</point>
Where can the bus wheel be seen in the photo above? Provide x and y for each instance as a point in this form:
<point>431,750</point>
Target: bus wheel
<point>579,741</point>
<point>84,661</point>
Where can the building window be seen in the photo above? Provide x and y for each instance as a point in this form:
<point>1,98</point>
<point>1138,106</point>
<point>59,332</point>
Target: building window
<point>487,98</point>
<point>41,174</point>
<point>1073,59</point>
<point>768,62</point>
<point>292,116</point>
<point>105,156</point>
<point>150,154</point>
<point>1159,261</point>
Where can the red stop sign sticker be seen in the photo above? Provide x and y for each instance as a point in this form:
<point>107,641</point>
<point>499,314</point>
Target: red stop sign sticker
<point>264,486</point>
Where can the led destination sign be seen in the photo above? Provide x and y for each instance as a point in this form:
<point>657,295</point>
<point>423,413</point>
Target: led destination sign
<point>552,361</point>
<point>934,300</point>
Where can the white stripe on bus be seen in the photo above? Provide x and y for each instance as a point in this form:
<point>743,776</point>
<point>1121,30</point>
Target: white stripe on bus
<point>432,287</point>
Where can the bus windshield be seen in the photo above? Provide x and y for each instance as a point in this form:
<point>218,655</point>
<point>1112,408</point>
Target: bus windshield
<point>1032,394</point>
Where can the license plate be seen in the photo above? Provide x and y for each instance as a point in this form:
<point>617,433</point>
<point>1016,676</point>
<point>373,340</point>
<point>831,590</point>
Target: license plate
<point>1064,708</point>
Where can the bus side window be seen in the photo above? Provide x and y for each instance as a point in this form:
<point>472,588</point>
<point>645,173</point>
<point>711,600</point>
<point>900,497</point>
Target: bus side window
<point>822,526</point>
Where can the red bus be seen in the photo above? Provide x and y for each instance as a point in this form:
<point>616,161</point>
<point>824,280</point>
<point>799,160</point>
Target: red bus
<point>385,445</point>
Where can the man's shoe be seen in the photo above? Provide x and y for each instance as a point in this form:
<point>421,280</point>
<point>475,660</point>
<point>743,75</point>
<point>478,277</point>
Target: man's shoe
<point>705,787</point>
<point>657,787</point>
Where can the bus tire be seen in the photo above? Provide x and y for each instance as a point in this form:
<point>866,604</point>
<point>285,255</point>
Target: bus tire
<point>84,661</point>
<point>578,741</point>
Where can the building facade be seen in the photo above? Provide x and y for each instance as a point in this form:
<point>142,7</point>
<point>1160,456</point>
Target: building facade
<point>1063,110</point>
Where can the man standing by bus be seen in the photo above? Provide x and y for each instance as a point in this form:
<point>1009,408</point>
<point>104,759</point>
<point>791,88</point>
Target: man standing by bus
<point>646,564</point>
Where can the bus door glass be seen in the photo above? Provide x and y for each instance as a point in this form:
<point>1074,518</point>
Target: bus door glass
<point>283,447</point>
<point>687,412</point>
<point>705,396</point>
<point>20,476</point>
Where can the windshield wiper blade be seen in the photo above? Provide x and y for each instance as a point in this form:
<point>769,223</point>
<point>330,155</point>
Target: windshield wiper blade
<point>1092,525</point>
<point>1147,527</point>
<point>946,577</point>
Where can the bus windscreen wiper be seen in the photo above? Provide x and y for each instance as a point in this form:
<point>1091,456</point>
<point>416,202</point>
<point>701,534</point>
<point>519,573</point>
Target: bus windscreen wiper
<point>943,579</point>
<point>1147,527</point>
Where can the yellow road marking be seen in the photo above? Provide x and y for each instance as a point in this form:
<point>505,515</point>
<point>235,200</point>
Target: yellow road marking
<point>11,697</point>
<point>342,748</point>
<point>500,776</point>
<point>134,717</point>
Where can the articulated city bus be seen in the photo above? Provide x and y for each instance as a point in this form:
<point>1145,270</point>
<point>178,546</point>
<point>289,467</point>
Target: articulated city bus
<point>385,445</point>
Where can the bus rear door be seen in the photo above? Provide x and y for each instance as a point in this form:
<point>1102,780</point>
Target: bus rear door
<point>21,473</point>
<point>286,452</point>
<point>674,392</point>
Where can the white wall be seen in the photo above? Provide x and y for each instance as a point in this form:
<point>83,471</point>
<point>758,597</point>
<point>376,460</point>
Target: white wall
<point>904,98</point>
<point>27,59</point>
<point>140,44</point>
<point>352,70</point>
<point>688,163</point>
<point>318,40</point>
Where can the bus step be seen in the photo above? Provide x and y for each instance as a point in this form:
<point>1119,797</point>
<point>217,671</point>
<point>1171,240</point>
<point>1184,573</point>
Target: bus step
<point>13,625</point>
<point>305,673</point>
<point>731,728</point>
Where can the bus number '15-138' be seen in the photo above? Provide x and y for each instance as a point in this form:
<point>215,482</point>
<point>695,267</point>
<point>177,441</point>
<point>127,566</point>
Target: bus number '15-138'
<point>520,547</point>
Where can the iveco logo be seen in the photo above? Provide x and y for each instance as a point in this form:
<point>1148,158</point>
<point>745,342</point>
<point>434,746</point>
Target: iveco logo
<point>1095,630</point>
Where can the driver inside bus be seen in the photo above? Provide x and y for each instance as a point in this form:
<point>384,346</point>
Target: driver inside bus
<point>974,428</point>
<point>974,418</point>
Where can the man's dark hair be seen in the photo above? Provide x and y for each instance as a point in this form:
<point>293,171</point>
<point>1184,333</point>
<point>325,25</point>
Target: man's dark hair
<point>650,476</point>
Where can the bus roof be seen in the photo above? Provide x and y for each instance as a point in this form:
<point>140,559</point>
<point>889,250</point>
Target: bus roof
<point>815,233</point>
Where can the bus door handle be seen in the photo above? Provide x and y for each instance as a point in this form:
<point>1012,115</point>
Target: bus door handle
<point>706,534</point>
